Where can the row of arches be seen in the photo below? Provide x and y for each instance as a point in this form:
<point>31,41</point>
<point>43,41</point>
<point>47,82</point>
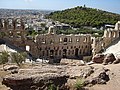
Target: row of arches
<point>11,23</point>
<point>50,40</point>
<point>64,53</point>
<point>111,33</point>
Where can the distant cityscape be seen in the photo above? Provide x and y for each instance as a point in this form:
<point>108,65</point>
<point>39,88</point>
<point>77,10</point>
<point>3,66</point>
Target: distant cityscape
<point>71,49</point>
<point>21,12</point>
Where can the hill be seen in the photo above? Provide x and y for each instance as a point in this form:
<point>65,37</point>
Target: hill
<point>84,16</point>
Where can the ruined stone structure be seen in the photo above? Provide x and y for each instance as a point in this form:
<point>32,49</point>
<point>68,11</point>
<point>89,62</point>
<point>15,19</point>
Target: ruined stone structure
<point>110,35</point>
<point>63,46</point>
<point>13,30</point>
<point>55,46</point>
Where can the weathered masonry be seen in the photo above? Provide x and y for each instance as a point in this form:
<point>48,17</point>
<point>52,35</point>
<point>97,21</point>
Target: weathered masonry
<point>51,45</point>
<point>55,46</point>
<point>13,31</point>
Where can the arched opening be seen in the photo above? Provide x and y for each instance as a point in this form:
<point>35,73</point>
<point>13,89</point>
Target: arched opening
<point>18,23</point>
<point>119,34</point>
<point>114,34</point>
<point>70,40</point>
<point>47,52</point>
<point>64,53</point>
<point>85,39</point>
<point>76,52</point>
<point>60,40</point>
<point>51,53</point>
<point>65,39</point>
<point>2,23</point>
<point>10,23</point>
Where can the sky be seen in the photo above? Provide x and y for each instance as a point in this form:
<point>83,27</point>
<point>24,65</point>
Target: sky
<point>107,5</point>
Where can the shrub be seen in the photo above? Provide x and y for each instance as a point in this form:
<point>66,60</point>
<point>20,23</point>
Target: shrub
<point>18,58</point>
<point>79,84</point>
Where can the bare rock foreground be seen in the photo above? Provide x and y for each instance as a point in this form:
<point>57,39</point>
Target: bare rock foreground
<point>63,77</point>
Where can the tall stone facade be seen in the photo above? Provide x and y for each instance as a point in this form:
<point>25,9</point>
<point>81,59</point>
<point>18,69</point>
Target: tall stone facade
<point>55,46</point>
<point>51,45</point>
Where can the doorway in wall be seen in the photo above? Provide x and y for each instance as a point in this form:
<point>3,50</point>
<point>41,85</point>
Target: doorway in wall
<point>64,53</point>
<point>76,52</point>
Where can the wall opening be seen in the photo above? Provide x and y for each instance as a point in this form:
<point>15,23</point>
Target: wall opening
<point>64,53</point>
<point>76,52</point>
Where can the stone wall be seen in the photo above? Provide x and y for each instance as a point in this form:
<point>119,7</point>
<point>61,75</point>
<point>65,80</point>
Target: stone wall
<point>55,46</point>
<point>63,46</point>
<point>110,35</point>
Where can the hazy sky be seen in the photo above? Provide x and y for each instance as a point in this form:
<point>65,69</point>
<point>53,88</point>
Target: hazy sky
<point>108,5</point>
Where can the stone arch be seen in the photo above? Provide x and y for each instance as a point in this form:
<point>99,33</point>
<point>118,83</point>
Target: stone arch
<point>114,35</point>
<point>76,52</point>
<point>77,39</point>
<point>60,52</point>
<point>18,23</point>
<point>64,53</point>
<point>69,52</point>
<point>23,23</point>
<point>110,34</point>
<point>85,39</point>
<point>51,30</point>
<point>60,39</point>
<point>65,39</point>
<point>10,24</point>
<point>51,53</point>
<point>106,33</point>
<point>3,23</point>
<point>70,39</point>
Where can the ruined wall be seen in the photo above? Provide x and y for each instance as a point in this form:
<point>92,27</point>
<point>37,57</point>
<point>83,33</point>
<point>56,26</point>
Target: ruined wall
<point>63,46</point>
<point>14,31</point>
<point>110,35</point>
<point>53,45</point>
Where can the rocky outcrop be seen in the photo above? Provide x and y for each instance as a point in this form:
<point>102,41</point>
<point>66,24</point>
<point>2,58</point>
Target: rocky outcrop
<point>36,82</point>
<point>109,58</point>
<point>11,68</point>
<point>86,72</point>
<point>99,77</point>
<point>116,61</point>
<point>105,59</point>
<point>98,58</point>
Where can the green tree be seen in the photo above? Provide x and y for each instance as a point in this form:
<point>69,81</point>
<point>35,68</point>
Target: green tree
<point>4,57</point>
<point>18,58</point>
<point>2,34</point>
<point>84,16</point>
